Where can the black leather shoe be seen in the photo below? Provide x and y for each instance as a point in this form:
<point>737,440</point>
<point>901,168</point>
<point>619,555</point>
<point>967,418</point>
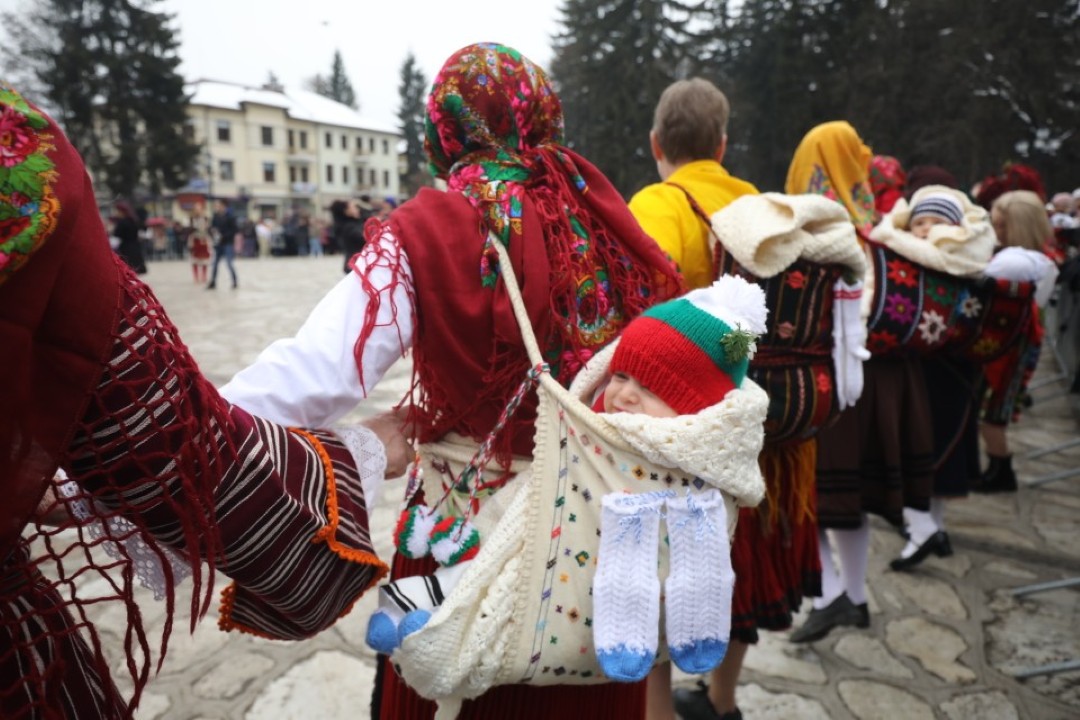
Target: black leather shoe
<point>695,705</point>
<point>839,612</point>
<point>938,544</point>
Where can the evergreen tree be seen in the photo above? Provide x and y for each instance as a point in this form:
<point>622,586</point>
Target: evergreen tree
<point>337,86</point>
<point>413,91</point>
<point>108,71</point>
<point>612,61</point>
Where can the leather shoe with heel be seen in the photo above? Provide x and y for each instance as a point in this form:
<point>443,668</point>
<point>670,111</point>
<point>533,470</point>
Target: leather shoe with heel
<point>938,544</point>
<point>840,612</point>
<point>695,705</point>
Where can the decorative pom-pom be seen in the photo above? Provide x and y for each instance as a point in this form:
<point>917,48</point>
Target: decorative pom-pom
<point>454,540</point>
<point>738,303</point>
<point>413,531</point>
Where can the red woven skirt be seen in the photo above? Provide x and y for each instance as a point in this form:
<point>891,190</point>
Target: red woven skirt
<point>775,551</point>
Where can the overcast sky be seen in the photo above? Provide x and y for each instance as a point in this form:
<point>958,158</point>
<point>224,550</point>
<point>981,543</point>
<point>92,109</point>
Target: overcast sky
<point>242,42</point>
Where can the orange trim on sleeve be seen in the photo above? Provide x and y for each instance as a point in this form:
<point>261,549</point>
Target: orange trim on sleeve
<point>328,534</point>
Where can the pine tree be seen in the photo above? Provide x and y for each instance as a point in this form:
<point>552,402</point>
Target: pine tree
<point>413,90</point>
<point>612,61</point>
<point>108,71</point>
<point>337,86</point>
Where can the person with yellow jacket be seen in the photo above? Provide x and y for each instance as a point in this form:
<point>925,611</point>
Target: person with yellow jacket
<point>688,141</point>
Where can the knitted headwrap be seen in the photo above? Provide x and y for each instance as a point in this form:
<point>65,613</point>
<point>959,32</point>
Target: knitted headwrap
<point>832,161</point>
<point>1015,177</point>
<point>690,352</point>
<point>939,205</point>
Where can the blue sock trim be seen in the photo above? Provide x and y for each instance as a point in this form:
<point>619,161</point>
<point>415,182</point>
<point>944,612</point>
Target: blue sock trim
<point>699,656</point>
<point>412,622</point>
<point>624,665</point>
<point>382,633</point>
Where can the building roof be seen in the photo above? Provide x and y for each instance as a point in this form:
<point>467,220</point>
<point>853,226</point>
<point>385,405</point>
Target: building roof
<point>298,104</point>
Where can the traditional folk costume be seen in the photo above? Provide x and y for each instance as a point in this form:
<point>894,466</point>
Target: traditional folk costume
<point>164,475</point>
<point>774,552</point>
<point>945,267</point>
<point>429,278</point>
<point>877,456</point>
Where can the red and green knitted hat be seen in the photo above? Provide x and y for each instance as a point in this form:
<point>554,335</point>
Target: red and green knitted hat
<point>690,352</point>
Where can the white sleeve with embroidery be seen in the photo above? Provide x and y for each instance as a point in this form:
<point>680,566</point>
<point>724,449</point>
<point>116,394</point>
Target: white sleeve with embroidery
<point>311,379</point>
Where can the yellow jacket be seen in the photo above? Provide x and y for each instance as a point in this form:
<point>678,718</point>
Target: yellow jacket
<point>665,214</point>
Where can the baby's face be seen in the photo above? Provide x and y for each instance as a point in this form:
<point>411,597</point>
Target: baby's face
<point>920,226</point>
<point>625,394</point>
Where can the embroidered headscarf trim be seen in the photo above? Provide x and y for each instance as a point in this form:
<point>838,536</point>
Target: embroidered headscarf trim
<point>28,204</point>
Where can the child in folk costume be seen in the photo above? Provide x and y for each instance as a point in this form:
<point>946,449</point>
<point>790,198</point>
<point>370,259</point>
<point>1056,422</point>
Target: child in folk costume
<point>688,140</point>
<point>199,246</point>
<point>1023,231</point>
<point>940,230</point>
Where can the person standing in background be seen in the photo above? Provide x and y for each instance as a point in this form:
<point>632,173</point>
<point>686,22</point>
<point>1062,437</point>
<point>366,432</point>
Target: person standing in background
<point>223,230</point>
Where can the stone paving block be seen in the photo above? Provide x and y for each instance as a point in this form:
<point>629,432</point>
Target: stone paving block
<point>929,594</point>
<point>328,684</point>
<point>775,656</point>
<point>760,704</point>
<point>936,647</point>
<point>230,677</point>
<point>868,700</point>
<point>984,706</point>
<point>869,653</point>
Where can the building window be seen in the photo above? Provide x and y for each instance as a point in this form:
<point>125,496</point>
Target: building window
<point>386,179</point>
<point>329,140</point>
<point>344,174</point>
<point>267,136</point>
<point>224,131</point>
<point>292,139</point>
<point>371,145</point>
<point>385,147</point>
<point>303,174</point>
<point>373,177</point>
<point>359,144</point>
<point>292,173</point>
<point>303,139</point>
<point>344,141</point>
<point>225,170</point>
<point>268,172</point>
<point>329,173</point>
<point>189,132</point>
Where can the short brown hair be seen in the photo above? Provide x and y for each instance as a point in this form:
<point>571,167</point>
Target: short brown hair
<point>691,120</point>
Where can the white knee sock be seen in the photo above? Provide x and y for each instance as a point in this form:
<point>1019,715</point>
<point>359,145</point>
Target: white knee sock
<point>853,546</point>
<point>700,582</point>
<point>831,585</point>
<point>626,589</point>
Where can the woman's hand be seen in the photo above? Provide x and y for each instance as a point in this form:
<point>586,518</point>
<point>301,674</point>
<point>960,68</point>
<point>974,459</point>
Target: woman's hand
<point>390,429</point>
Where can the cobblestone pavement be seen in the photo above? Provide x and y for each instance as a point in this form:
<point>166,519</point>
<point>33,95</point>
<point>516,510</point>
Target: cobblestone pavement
<point>944,642</point>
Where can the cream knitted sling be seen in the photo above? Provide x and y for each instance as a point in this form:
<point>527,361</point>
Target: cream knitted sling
<point>522,611</point>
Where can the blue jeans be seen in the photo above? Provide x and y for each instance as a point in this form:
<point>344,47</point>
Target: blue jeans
<point>228,251</point>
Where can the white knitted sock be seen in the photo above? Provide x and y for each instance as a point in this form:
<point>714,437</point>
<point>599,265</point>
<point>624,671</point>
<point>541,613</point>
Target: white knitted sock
<point>853,546</point>
<point>626,589</point>
<point>700,582</point>
<point>831,584</point>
